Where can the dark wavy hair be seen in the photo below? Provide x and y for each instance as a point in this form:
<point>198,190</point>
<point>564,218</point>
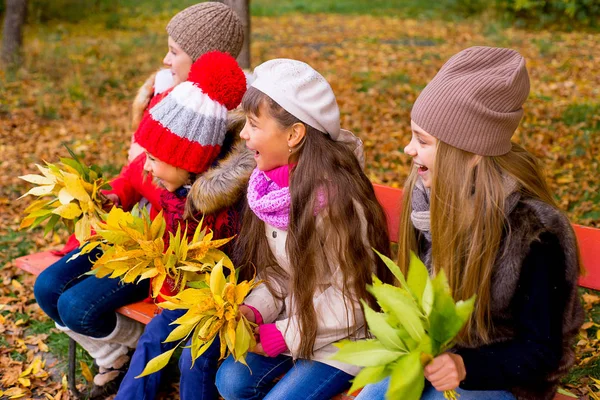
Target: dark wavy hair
<point>323,169</point>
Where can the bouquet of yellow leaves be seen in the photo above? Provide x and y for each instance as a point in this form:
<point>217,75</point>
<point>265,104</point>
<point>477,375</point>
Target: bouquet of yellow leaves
<point>213,310</point>
<point>134,249</point>
<point>69,192</point>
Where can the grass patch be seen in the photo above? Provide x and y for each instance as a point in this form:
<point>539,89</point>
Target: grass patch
<point>406,8</point>
<point>577,373</point>
<point>14,244</point>
<point>368,80</point>
<point>16,356</point>
<point>113,15</point>
<point>594,313</point>
<point>546,47</point>
<point>593,215</point>
<point>541,97</point>
<point>58,344</point>
<point>579,113</point>
<point>20,316</point>
<point>108,12</point>
<point>592,369</point>
<point>110,169</point>
<point>495,33</point>
<point>36,327</point>
<point>46,110</point>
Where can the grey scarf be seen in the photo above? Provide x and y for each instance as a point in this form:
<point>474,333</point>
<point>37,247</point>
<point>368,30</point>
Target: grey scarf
<point>421,218</point>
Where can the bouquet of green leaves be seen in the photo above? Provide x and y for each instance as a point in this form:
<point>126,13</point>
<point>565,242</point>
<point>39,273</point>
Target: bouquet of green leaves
<point>69,192</point>
<point>419,321</point>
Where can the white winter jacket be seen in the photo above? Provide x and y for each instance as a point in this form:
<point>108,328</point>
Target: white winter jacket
<point>339,316</point>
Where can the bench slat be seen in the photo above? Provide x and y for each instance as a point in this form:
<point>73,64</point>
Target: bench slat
<point>140,311</point>
<point>589,245</point>
<point>562,397</point>
<point>37,262</point>
<point>391,200</point>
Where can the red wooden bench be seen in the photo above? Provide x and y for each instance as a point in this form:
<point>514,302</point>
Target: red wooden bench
<point>390,199</point>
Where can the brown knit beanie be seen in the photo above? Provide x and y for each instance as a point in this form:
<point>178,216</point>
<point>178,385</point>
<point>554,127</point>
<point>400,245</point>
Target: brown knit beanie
<point>475,102</point>
<point>207,27</point>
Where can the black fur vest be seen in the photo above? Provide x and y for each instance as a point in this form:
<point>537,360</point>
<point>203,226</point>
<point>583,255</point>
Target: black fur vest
<point>527,220</point>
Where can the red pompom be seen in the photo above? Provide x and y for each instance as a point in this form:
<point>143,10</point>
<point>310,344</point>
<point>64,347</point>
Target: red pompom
<point>220,77</point>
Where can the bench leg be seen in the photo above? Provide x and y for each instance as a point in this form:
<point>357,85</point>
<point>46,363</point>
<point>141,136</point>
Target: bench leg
<point>71,371</point>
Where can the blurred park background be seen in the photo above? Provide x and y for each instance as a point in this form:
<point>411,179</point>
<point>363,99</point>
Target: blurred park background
<point>83,61</point>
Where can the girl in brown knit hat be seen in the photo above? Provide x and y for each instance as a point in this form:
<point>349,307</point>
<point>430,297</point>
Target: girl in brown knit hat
<point>203,27</point>
<point>477,206</point>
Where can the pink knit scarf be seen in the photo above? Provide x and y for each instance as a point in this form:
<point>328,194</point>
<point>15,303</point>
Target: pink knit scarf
<point>269,202</point>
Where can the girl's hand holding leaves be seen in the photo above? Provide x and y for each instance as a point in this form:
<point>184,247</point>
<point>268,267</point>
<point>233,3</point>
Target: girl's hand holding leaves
<point>445,372</point>
<point>418,322</point>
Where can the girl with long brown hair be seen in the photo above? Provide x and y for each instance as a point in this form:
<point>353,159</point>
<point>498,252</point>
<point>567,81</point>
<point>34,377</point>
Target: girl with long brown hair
<point>477,206</point>
<point>310,224</point>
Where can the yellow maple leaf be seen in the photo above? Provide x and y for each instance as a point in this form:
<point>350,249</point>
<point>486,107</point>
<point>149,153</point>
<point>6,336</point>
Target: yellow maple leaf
<point>24,382</point>
<point>15,392</point>
<point>68,211</point>
<point>85,371</point>
<point>134,250</point>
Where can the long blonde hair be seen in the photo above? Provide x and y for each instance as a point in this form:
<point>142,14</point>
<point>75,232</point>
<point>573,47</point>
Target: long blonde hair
<point>468,221</point>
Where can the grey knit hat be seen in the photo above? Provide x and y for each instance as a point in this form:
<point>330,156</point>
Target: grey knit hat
<point>207,27</point>
<point>475,102</point>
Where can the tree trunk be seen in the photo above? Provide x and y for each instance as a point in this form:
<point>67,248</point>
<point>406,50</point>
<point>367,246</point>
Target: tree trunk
<point>12,34</point>
<point>242,9</point>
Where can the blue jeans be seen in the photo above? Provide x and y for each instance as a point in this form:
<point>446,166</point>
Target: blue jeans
<point>376,391</point>
<point>84,303</point>
<point>197,382</point>
<point>303,379</point>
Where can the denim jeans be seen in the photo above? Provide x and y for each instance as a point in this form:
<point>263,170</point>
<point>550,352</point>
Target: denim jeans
<point>84,303</point>
<point>303,379</point>
<point>376,391</point>
<point>196,383</point>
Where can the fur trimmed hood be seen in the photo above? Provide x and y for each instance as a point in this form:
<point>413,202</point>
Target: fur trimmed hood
<point>225,183</point>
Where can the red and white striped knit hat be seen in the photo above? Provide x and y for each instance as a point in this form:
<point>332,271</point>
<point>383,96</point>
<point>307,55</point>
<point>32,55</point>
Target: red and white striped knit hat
<point>186,129</point>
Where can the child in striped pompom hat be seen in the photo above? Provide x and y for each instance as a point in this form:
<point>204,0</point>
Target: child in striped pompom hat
<point>182,136</point>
